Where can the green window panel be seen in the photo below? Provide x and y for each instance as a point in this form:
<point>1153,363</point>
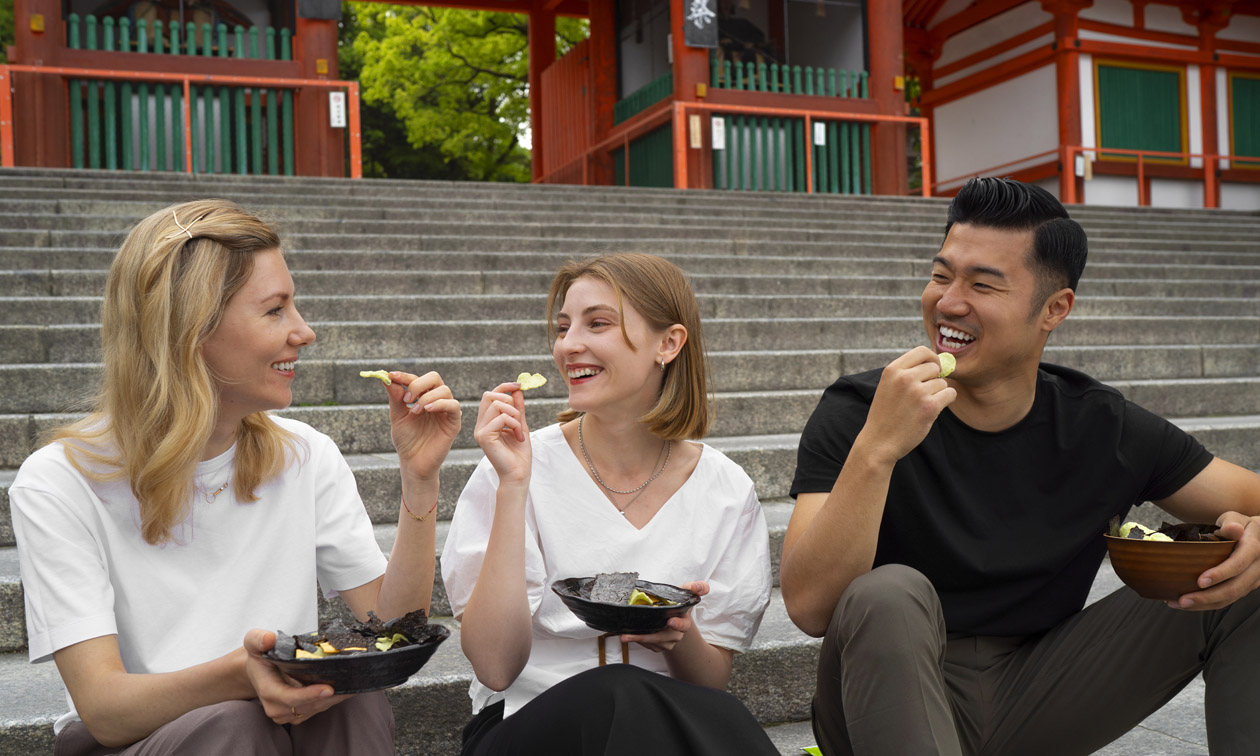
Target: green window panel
<point>1244,107</point>
<point>651,160</point>
<point>1140,108</point>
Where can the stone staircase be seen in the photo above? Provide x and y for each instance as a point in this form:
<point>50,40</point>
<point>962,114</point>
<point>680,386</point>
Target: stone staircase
<point>795,291</point>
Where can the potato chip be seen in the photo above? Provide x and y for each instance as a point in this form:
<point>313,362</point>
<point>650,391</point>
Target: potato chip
<point>382,375</point>
<point>948,363</point>
<point>531,381</point>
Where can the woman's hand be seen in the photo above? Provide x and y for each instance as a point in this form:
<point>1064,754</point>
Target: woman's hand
<point>503,434</point>
<point>666,639</point>
<point>283,699</point>
<point>423,420</point>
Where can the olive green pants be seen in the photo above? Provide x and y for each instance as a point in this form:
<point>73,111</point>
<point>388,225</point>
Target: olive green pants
<point>892,681</point>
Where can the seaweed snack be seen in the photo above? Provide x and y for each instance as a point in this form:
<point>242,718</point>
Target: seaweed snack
<point>613,587</point>
<point>381,375</point>
<point>531,381</point>
<point>336,638</point>
<point>948,363</point>
<point>1167,531</point>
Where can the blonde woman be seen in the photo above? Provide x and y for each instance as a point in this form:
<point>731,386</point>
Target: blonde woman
<point>162,537</point>
<point>618,485</point>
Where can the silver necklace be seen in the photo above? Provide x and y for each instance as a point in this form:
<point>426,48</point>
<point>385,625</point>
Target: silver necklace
<point>210,497</point>
<point>667,449</point>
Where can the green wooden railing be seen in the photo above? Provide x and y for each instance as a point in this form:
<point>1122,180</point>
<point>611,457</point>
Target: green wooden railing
<point>121,35</point>
<point>140,127</point>
<point>651,160</point>
<point>772,77</point>
<point>644,98</point>
<point>768,154</point>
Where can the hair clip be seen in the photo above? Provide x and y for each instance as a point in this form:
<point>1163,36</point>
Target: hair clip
<point>182,228</point>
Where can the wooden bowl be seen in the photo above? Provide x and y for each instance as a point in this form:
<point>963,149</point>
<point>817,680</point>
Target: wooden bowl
<point>1164,570</point>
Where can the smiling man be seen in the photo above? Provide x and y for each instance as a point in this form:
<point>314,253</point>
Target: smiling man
<point>947,530</point>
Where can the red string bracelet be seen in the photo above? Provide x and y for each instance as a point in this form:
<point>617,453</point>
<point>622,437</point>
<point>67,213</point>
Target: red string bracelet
<point>412,514</point>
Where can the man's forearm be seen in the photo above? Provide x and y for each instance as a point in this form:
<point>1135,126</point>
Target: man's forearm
<point>832,542</point>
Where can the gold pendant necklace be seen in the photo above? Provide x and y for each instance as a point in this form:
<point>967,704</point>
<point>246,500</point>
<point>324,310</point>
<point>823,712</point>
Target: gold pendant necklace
<point>210,497</point>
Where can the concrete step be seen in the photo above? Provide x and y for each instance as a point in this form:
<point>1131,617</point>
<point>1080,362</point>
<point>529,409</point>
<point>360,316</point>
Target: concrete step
<point>49,310</point>
<point>384,340</point>
<point>57,387</point>
<point>775,680</point>
<point>770,460</point>
<point>364,428</point>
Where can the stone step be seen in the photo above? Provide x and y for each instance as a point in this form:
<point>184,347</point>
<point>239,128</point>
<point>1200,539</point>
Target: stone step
<point>50,310</point>
<point>775,679</point>
<point>894,280</point>
<point>364,428</point>
<point>43,387</point>
<point>770,460</point>
<point>525,221</point>
<point>375,341</point>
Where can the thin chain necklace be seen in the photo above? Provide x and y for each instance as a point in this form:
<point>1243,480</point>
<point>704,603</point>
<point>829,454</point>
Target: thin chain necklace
<point>210,497</point>
<point>666,449</point>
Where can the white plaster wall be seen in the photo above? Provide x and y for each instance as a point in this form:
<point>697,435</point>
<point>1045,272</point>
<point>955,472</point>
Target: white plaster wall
<point>1194,114</point>
<point>1240,196</point>
<point>1222,115</point>
<point>1015,52</point>
<point>1111,190</point>
<point>1015,21</point>
<point>1167,18</point>
<point>1245,28</point>
<point>1050,185</point>
<point>1010,121</point>
<point>1089,129</point>
<point>1176,193</point>
<point>1102,37</point>
<point>1110,11</point>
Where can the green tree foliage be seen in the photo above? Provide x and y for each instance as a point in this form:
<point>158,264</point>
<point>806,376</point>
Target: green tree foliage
<point>6,29</point>
<point>445,91</point>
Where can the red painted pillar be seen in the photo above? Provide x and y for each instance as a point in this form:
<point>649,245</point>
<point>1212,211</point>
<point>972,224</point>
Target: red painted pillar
<point>887,61</point>
<point>1209,20</point>
<point>691,67</point>
<point>542,53</point>
<point>41,115</point>
<point>603,52</point>
<point>318,147</point>
<point>1068,76</point>
<point>922,51</point>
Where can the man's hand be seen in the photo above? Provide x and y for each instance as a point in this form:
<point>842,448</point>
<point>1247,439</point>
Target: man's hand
<point>1236,576</point>
<point>911,395</point>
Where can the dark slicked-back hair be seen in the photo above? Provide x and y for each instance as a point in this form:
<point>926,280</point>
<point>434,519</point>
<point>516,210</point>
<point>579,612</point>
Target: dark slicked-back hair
<point>1059,247</point>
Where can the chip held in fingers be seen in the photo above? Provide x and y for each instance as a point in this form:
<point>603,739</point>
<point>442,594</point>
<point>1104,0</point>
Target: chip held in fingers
<point>381,375</point>
<point>948,363</point>
<point>531,380</point>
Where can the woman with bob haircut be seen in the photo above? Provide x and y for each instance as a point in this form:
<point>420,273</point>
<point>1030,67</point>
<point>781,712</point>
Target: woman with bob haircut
<point>618,485</point>
<point>179,514</point>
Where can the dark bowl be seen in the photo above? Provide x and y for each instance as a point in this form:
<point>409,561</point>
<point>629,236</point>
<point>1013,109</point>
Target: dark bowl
<point>360,673</point>
<point>624,619</point>
<point>1164,570</point>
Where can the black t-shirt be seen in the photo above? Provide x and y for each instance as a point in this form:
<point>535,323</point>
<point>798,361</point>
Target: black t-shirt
<point>1008,526</point>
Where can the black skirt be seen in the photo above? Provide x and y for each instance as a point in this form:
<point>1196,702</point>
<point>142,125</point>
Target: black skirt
<point>620,710</point>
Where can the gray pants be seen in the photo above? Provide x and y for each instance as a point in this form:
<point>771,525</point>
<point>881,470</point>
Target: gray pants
<point>892,681</point>
<point>362,724</point>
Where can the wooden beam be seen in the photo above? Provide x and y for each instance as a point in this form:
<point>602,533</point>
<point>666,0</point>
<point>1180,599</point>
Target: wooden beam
<point>974,14</point>
<point>993,51</point>
<point>1007,69</point>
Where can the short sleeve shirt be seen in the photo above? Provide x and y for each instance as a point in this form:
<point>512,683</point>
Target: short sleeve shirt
<point>1008,526</point>
<point>232,566</point>
<point>711,529</point>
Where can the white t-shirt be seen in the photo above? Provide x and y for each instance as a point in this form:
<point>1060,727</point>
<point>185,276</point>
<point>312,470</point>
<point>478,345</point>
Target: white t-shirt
<point>711,529</point>
<point>86,571</point>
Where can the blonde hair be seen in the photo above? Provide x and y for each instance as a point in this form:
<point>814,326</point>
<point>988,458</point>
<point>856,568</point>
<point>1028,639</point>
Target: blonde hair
<point>660,292</point>
<point>165,295</point>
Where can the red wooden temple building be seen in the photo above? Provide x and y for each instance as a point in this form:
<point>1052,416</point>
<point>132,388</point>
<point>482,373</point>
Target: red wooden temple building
<point>1102,101</point>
